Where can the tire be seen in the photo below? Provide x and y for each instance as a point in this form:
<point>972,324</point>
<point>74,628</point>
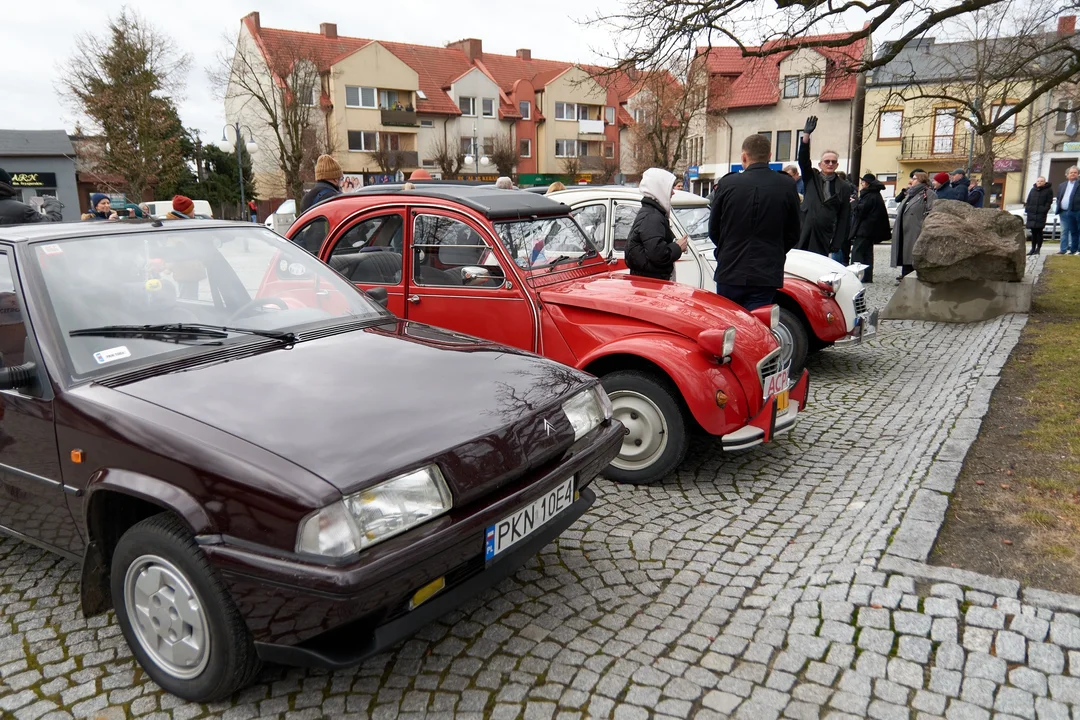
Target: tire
<point>656,436</point>
<point>800,344</point>
<point>220,657</point>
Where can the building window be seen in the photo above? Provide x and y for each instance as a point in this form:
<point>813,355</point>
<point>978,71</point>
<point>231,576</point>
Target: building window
<point>812,86</point>
<point>1065,113</point>
<point>783,145</point>
<point>640,115</point>
<point>566,148</point>
<point>583,112</point>
<point>583,148</point>
<point>468,145</point>
<point>391,142</point>
<point>307,96</point>
<point>890,125</point>
<point>389,98</point>
<point>525,147</point>
<point>428,163</point>
<point>609,150</point>
<point>362,141</point>
<point>791,86</point>
<point>1008,127</point>
<point>609,115</point>
<point>427,123</point>
<point>359,97</point>
<point>525,108</point>
<point>565,111</point>
<point>467,105</point>
<point>488,107</point>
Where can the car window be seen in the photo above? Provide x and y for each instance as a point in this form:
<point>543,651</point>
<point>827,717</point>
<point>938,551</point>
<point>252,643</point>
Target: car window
<point>543,241</point>
<point>240,276</point>
<point>593,220</point>
<point>695,220</point>
<point>448,252</point>
<point>311,236</point>
<point>13,337</point>
<point>624,220</point>
<point>371,250</point>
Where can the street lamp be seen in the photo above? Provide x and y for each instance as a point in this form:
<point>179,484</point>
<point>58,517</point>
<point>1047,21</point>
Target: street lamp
<point>227,146</point>
<point>470,158</point>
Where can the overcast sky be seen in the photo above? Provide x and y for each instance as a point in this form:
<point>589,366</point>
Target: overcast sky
<point>35,41</point>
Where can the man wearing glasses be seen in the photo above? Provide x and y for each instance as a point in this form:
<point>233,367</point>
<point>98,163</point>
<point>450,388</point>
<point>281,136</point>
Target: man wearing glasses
<point>826,207</point>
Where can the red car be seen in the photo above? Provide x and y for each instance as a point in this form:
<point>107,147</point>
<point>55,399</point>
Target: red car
<point>515,268</point>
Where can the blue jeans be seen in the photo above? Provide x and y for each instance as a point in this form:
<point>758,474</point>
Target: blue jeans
<point>838,256</point>
<point>1070,230</point>
<point>750,297</point>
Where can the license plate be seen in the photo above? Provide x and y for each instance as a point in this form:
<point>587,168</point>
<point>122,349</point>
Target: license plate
<point>776,384</point>
<point>781,401</point>
<point>527,520</point>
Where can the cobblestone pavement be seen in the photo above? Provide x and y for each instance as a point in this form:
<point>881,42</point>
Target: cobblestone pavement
<point>744,586</point>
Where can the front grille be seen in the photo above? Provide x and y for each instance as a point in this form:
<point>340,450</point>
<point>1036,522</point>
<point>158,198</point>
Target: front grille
<point>860,302</point>
<point>769,365</point>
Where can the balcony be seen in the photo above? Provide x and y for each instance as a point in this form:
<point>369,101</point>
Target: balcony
<point>593,162</point>
<point>590,127</point>
<point>406,158</point>
<point>399,118</point>
<point>928,147</point>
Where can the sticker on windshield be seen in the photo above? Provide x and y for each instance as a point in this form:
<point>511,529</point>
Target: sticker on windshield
<point>116,353</point>
<point>52,249</point>
<point>297,269</point>
<point>283,266</point>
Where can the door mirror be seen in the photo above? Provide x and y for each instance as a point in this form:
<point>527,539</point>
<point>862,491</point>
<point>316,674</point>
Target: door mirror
<point>474,275</point>
<point>18,376</point>
<point>379,295</point>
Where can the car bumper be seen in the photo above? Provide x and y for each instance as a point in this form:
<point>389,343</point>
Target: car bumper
<point>769,423</point>
<point>866,326</point>
<point>337,615</point>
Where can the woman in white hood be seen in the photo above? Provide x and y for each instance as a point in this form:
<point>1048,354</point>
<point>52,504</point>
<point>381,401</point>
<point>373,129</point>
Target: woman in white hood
<point>651,247</point>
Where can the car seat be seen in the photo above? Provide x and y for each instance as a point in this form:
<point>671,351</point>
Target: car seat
<point>371,267</point>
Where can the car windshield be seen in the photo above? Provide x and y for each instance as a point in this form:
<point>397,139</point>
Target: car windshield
<point>544,242</point>
<point>695,220</point>
<point>150,296</point>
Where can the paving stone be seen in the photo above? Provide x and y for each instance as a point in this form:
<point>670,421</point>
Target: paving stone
<point>1010,647</point>
<point>1064,689</point>
<point>985,617</point>
<point>1046,658</point>
<point>875,640</point>
<point>946,682</point>
<point>981,665</point>
<point>1027,679</point>
<point>1015,702</point>
<point>916,649</point>
<point>978,639</point>
<point>911,623</point>
<point>950,656</point>
<point>1030,627</point>
<point>978,691</point>
<point>906,673</point>
<point>874,618</point>
<point>959,710</point>
<point>947,590</point>
<point>1065,635</point>
<point>1047,709</point>
<point>941,607</point>
<point>929,702</point>
<point>891,692</point>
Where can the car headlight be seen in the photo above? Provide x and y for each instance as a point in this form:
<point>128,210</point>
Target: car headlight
<point>587,409</point>
<point>830,283</point>
<point>362,519</point>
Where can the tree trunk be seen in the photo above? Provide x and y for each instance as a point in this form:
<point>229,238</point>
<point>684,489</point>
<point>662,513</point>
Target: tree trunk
<point>986,160</point>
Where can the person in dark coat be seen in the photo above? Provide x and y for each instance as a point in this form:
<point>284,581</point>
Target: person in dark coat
<point>1039,201</point>
<point>826,207</point>
<point>903,191</point>
<point>976,195</point>
<point>869,224</point>
<point>957,188</point>
<point>910,216</point>
<point>100,209</point>
<point>753,222</point>
<point>1068,210</point>
<point>14,212</point>
<point>651,247</point>
<point>328,177</point>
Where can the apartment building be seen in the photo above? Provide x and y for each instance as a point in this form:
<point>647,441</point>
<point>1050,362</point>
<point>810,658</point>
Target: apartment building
<point>771,95</point>
<point>399,102</point>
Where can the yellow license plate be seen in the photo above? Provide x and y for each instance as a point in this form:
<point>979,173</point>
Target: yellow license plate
<point>781,401</point>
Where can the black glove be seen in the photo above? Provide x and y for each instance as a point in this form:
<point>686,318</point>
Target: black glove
<point>811,125</point>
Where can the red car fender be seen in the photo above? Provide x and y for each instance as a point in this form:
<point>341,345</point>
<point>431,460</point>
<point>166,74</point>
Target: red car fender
<point>695,376</point>
<point>816,306</point>
<point>800,393</point>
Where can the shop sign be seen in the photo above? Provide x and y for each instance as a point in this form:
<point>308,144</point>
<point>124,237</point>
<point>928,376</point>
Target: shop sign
<point>692,172</point>
<point>33,179</point>
<point>1071,147</point>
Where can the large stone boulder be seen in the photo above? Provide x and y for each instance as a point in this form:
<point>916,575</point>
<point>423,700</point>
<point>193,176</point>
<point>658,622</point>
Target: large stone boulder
<point>959,242</point>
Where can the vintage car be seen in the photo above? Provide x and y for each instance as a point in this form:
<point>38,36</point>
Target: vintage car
<point>822,303</point>
<point>252,460</point>
<point>515,268</point>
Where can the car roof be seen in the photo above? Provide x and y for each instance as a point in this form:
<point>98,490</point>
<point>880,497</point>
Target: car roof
<point>59,231</point>
<point>489,201</point>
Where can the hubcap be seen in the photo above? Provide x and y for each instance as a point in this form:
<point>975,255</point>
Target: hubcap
<point>787,343</point>
<point>167,616</point>
<point>646,434</point>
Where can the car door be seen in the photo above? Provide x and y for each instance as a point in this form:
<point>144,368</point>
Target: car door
<point>457,280</point>
<point>32,501</point>
<point>593,219</point>
<point>687,268</point>
<point>369,250</point>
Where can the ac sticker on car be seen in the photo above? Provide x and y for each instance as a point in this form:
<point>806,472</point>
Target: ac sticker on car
<point>116,353</point>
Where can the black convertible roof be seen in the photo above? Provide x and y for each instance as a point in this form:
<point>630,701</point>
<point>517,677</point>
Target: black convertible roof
<point>490,202</point>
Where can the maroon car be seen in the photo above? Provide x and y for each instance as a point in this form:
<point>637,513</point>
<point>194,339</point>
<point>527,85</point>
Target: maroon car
<point>254,461</point>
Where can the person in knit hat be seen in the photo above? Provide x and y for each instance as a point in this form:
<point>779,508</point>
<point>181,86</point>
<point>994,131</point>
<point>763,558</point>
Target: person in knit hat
<point>940,181</point>
<point>328,177</point>
<point>182,208</point>
<point>100,208</point>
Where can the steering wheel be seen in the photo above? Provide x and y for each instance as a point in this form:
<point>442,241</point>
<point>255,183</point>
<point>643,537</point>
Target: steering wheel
<point>257,302</point>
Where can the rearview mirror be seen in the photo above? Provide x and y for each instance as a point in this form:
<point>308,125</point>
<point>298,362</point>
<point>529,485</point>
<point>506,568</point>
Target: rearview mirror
<point>378,294</point>
<point>473,273</point>
<point>18,376</point>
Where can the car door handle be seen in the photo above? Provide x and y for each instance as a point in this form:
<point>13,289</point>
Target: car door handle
<point>414,299</point>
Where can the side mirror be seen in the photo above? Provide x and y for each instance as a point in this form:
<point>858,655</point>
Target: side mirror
<point>378,294</point>
<point>18,376</point>
<point>474,273</point>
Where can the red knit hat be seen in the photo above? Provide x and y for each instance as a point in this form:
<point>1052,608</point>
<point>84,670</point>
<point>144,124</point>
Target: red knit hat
<point>420,174</point>
<point>942,178</point>
<point>183,205</point>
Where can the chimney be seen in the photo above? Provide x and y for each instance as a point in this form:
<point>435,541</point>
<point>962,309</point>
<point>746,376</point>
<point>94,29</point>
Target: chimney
<point>524,53</point>
<point>472,47</point>
<point>255,20</point>
<point>1067,25</point>
<point>328,30</point>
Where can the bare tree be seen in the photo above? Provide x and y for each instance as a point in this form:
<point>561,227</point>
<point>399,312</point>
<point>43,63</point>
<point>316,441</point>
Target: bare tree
<point>665,111</point>
<point>571,167</point>
<point>389,161</point>
<point>125,82</point>
<point>504,153</point>
<point>447,154</point>
<point>280,98</point>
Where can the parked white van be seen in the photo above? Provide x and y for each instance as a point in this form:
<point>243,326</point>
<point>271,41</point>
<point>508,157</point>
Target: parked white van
<point>161,208</point>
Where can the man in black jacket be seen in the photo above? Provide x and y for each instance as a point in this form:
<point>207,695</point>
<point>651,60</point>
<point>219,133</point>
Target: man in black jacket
<point>753,221</point>
<point>826,200</point>
<point>13,212</point>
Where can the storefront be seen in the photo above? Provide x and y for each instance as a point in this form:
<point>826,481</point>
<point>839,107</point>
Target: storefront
<point>41,162</point>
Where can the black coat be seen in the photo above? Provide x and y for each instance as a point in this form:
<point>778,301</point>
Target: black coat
<point>651,250</point>
<point>322,190</point>
<point>753,222</point>
<point>824,221</point>
<point>13,212</point>
<point>869,218</point>
<point>1037,207</point>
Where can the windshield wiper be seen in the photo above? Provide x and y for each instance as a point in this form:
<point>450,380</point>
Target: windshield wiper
<point>170,332</point>
<point>590,254</point>
<point>556,261</point>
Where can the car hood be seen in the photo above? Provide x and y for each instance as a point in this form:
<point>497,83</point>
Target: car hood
<point>673,307</point>
<point>359,407</point>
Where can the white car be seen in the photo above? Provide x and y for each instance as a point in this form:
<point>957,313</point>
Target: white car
<point>281,219</point>
<point>1051,229</point>
<point>821,304</point>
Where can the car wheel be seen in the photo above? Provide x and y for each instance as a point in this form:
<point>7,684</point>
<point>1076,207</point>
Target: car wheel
<point>655,439</point>
<point>800,344</point>
<point>176,615</point>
